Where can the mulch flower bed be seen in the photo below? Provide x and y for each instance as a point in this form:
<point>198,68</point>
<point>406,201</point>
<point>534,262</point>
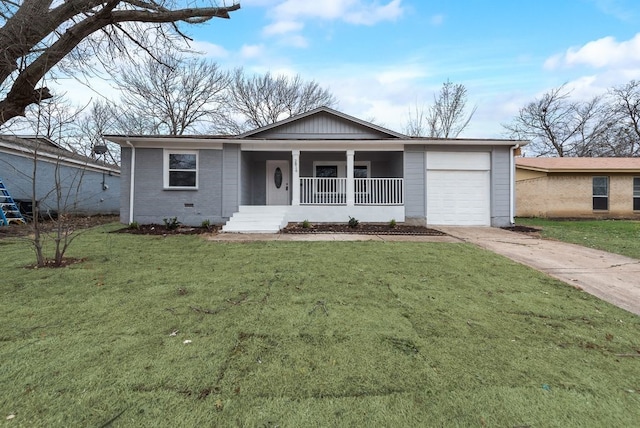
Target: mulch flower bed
<point>522,229</point>
<point>362,229</point>
<point>162,230</point>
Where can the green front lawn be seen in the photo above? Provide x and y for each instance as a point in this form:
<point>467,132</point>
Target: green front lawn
<point>295,334</point>
<point>615,236</point>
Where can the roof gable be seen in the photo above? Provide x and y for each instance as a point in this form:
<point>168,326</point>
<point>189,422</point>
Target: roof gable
<point>323,123</point>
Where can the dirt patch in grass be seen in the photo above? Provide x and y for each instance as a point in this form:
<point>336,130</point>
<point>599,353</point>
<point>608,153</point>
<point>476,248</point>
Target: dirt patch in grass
<point>66,261</point>
<point>363,229</point>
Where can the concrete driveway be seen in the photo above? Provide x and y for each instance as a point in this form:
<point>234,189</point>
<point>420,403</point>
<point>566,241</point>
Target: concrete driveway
<point>611,277</point>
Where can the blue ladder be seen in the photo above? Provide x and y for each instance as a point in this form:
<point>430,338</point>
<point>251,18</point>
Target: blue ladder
<point>9,212</point>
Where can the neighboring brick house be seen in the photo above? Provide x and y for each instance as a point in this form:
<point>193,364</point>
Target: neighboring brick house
<point>578,187</point>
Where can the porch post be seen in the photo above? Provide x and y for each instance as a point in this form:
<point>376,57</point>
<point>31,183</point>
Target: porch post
<point>351,197</point>
<point>295,177</point>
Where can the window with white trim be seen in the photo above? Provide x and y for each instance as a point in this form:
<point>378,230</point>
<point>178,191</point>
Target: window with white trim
<point>636,193</point>
<point>181,169</point>
<point>600,193</point>
<point>361,169</point>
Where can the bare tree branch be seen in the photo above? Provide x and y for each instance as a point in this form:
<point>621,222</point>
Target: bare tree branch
<point>624,138</point>
<point>28,51</point>
<point>446,118</point>
<point>558,126</point>
<point>174,95</point>
<point>266,99</point>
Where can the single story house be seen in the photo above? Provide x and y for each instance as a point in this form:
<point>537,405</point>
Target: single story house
<point>87,186</point>
<point>320,166</point>
<point>578,187</point>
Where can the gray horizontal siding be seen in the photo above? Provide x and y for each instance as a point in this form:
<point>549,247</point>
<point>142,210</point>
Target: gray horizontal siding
<point>82,190</point>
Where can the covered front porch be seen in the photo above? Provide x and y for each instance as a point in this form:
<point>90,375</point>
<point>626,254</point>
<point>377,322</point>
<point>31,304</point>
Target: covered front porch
<point>324,185</point>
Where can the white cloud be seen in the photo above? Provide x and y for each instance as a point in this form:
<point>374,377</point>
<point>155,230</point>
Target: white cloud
<point>289,15</point>
<point>282,27</point>
<point>326,9</point>
<point>370,91</point>
<point>590,70</point>
<point>362,12</point>
<point>373,13</point>
<point>604,52</point>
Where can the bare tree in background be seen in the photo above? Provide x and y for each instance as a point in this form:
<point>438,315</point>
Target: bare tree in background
<point>446,118</point>
<point>260,100</point>
<point>98,120</point>
<point>55,119</point>
<point>418,122</point>
<point>37,35</point>
<point>623,138</point>
<point>173,95</point>
<point>558,126</point>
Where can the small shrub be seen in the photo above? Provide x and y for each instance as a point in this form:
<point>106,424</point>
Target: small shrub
<point>171,223</point>
<point>134,225</point>
<point>206,224</point>
<point>353,222</point>
<point>306,224</point>
<point>392,223</point>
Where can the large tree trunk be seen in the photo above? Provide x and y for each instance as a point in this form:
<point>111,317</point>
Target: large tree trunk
<point>19,38</point>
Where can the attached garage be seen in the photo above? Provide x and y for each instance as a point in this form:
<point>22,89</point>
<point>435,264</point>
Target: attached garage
<point>458,188</point>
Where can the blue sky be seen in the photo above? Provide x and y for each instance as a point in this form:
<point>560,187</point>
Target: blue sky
<point>382,57</point>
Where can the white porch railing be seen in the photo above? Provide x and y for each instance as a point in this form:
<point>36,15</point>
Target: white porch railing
<point>379,191</point>
<point>325,191</point>
<point>368,191</point>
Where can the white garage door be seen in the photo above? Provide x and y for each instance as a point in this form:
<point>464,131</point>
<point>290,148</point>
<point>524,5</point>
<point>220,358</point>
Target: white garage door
<point>458,189</point>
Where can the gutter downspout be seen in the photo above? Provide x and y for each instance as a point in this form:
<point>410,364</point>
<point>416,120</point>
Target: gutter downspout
<point>512,183</point>
<point>131,180</point>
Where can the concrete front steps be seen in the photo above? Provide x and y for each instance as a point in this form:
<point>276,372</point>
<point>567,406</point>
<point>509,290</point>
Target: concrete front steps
<point>257,219</point>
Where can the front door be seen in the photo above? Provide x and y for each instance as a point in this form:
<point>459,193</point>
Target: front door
<point>277,182</point>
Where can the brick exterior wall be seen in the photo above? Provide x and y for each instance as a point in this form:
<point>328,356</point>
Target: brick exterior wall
<point>570,195</point>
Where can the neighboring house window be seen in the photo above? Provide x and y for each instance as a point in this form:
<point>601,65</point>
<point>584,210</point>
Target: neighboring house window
<point>600,193</point>
<point>636,193</point>
<point>181,169</point>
